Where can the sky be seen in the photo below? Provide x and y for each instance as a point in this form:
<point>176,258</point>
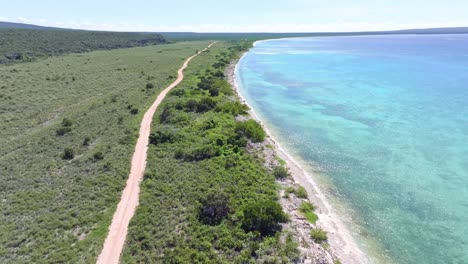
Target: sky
<point>238,15</point>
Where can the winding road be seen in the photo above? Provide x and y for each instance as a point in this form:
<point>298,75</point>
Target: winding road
<point>115,240</point>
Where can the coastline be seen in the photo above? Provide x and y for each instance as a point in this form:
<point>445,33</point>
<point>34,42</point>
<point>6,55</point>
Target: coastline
<point>341,244</point>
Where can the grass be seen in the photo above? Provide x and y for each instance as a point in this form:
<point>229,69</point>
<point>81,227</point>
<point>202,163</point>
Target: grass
<point>307,209</point>
<point>318,235</point>
<point>201,185</point>
<point>56,210</point>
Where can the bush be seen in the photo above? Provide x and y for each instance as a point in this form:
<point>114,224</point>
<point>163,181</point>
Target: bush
<point>68,154</point>
<point>219,74</point>
<point>164,116</point>
<point>202,153</point>
<point>191,105</point>
<point>318,235</point>
<point>215,208</point>
<point>205,105</point>
<point>62,131</point>
<point>290,190</point>
<point>98,156</point>
<point>86,141</point>
<point>281,172</point>
<point>134,111</point>
<point>162,136</point>
<point>306,207</point>
<point>179,154</point>
<point>233,108</point>
<point>149,85</point>
<point>67,122</point>
<point>214,91</point>
<point>252,130</point>
<point>178,92</point>
<point>301,192</point>
<point>263,216</point>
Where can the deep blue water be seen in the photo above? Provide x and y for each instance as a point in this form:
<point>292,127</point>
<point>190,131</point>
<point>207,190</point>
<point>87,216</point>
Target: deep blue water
<point>384,121</point>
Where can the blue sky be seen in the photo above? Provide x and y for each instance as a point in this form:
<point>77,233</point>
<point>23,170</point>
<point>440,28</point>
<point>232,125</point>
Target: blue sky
<point>238,15</point>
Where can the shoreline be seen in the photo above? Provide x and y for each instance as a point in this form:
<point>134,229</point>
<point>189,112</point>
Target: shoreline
<point>341,242</point>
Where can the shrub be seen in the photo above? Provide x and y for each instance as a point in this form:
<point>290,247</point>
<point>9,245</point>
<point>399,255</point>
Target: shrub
<point>86,141</point>
<point>67,122</point>
<point>166,112</point>
<point>263,216</point>
<point>280,172</point>
<point>233,108</point>
<point>318,235</point>
<point>149,85</point>
<point>214,91</point>
<point>205,105</point>
<point>252,130</point>
<point>179,154</point>
<point>68,154</point>
<point>202,153</point>
<point>162,136</point>
<point>134,111</point>
<point>219,74</point>
<point>306,207</point>
<point>98,156</point>
<point>215,208</point>
<point>191,105</point>
<point>301,192</point>
<point>178,92</point>
<point>62,131</point>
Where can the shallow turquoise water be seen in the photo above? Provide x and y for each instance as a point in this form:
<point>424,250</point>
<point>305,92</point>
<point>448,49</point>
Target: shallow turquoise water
<point>385,120</point>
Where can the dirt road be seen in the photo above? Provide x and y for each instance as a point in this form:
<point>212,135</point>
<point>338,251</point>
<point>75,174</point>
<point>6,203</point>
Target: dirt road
<point>115,240</point>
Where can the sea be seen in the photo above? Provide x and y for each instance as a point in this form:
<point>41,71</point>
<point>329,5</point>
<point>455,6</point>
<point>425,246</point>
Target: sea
<point>382,122</point>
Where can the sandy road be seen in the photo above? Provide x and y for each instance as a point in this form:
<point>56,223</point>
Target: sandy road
<point>115,240</point>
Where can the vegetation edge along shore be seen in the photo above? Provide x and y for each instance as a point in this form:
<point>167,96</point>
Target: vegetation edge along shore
<point>207,196</point>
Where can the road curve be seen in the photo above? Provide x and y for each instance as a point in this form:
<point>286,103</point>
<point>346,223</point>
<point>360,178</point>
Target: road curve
<point>115,240</point>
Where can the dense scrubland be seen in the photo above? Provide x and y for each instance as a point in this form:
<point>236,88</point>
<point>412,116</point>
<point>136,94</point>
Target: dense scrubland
<point>204,198</point>
<point>24,45</point>
<point>68,126</point>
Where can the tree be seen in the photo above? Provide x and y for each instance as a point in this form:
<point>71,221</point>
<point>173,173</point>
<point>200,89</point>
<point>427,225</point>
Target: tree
<point>205,105</point>
<point>263,216</point>
<point>149,85</point>
<point>68,154</point>
<point>252,130</point>
<point>214,91</point>
<point>215,208</point>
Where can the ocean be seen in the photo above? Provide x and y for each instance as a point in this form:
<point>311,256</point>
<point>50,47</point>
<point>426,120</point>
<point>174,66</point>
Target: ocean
<point>382,121</point>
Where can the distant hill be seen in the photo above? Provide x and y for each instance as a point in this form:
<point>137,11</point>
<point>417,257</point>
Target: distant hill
<point>453,30</point>
<point>191,35</point>
<point>12,25</point>
<point>19,45</point>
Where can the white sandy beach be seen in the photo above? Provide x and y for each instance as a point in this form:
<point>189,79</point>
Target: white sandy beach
<point>341,242</point>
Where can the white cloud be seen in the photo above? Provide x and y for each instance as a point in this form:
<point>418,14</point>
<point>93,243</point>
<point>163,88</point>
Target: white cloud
<point>22,20</point>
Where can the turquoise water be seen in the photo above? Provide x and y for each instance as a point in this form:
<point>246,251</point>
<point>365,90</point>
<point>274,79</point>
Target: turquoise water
<point>384,119</point>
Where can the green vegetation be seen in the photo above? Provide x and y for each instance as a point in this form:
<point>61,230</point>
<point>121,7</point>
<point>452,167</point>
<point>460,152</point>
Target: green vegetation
<point>281,172</point>
<point>204,198</point>
<point>252,130</point>
<point>57,210</point>
<point>318,235</point>
<point>308,210</point>
<point>301,192</point>
<point>23,45</point>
